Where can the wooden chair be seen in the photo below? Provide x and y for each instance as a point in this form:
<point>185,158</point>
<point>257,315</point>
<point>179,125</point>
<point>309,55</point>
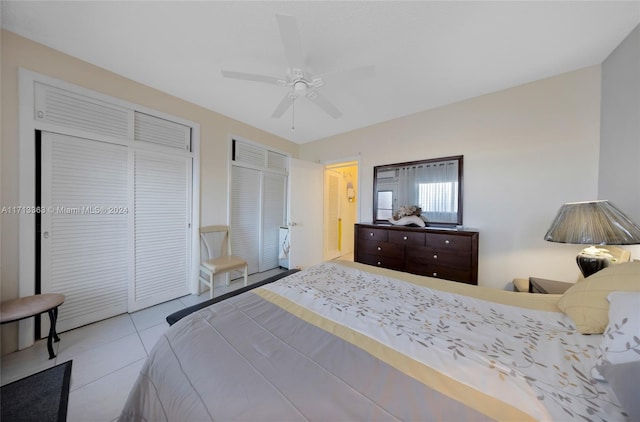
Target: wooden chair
<point>217,257</point>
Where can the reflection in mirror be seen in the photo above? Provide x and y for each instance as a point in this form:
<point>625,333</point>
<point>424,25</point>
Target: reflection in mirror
<point>434,185</point>
<point>385,205</point>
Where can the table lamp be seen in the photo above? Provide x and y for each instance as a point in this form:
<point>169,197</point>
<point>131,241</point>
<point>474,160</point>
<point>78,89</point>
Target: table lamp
<point>592,223</point>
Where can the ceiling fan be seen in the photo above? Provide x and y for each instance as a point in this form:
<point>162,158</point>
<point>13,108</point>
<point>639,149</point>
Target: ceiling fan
<point>301,84</point>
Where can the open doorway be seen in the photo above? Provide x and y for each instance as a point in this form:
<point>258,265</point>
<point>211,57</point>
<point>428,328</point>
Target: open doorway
<point>340,209</point>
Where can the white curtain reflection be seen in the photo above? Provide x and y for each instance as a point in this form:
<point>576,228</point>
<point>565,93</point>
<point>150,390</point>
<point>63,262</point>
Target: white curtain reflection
<point>433,187</point>
<point>407,187</point>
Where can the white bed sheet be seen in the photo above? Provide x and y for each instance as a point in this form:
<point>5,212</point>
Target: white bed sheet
<point>531,359</point>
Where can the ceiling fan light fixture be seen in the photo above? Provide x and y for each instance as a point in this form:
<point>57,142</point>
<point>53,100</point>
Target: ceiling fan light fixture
<point>300,88</point>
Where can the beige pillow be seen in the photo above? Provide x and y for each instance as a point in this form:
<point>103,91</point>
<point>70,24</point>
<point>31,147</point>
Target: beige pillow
<point>586,302</point>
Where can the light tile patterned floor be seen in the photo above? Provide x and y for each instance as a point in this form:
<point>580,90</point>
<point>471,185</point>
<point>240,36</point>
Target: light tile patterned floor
<point>107,355</point>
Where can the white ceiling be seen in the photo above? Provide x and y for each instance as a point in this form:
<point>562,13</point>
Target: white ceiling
<point>426,54</point>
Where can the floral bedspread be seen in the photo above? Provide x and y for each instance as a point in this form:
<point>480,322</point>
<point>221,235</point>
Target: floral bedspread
<point>534,360</point>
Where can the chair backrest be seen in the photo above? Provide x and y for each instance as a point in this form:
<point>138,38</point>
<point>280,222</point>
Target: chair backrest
<point>215,241</point>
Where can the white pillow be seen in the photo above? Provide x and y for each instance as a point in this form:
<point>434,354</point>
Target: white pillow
<point>621,339</point>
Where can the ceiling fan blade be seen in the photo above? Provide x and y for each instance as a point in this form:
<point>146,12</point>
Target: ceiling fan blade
<point>349,75</point>
<point>253,77</point>
<point>285,103</point>
<point>291,40</point>
<point>324,104</point>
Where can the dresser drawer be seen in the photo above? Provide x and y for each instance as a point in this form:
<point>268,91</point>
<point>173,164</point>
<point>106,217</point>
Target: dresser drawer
<point>394,263</point>
<point>374,248</point>
<point>448,242</point>
<point>439,271</point>
<point>366,233</point>
<point>452,274</point>
<point>407,238</point>
<point>442,257</point>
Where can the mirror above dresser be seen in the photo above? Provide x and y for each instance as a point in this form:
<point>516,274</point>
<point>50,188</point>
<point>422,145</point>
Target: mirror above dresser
<point>435,185</point>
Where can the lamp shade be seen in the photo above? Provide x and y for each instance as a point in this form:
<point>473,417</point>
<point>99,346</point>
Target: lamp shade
<point>593,223</point>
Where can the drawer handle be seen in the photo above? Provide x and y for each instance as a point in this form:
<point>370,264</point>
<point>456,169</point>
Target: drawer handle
<point>405,238</point>
<point>371,234</point>
<point>435,274</point>
<point>379,248</point>
<point>435,256</point>
<point>379,263</point>
<point>447,242</point>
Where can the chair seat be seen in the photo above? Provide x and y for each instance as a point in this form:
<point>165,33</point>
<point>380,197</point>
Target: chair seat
<point>224,263</point>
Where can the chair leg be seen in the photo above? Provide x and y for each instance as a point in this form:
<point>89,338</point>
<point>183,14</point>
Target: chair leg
<point>246,273</point>
<point>206,281</point>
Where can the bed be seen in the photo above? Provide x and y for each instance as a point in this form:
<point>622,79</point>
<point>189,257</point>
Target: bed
<point>346,341</point>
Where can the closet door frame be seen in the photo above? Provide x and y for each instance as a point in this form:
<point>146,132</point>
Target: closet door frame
<point>261,170</point>
<point>28,124</point>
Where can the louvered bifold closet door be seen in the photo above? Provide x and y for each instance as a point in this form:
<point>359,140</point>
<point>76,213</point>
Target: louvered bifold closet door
<point>273,213</point>
<point>245,215</point>
<point>84,228</point>
<point>162,185</point>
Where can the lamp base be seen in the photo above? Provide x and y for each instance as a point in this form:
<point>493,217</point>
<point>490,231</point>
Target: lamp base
<point>591,264</point>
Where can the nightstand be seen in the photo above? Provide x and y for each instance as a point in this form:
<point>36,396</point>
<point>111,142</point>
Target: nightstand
<point>541,285</point>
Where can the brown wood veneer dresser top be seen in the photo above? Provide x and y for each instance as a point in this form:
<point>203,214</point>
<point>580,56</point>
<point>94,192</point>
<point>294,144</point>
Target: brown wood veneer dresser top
<point>451,254</point>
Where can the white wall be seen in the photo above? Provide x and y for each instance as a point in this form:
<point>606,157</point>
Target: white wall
<point>527,150</point>
<point>619,177</point>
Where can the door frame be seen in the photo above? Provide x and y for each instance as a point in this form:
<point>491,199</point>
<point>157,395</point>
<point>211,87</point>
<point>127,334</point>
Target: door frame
<point>352,159</point>
<point>230,165</point>
<point>344,162</point>
<point>328,252</point>
<point>27,127</point>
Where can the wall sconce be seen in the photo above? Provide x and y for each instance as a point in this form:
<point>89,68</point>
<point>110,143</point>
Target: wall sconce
<point>351,192</point>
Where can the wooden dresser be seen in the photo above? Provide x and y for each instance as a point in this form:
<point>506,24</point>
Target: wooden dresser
<point>441,253</point>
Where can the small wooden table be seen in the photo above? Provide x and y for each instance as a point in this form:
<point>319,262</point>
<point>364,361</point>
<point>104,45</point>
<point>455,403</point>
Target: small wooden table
<point>26,307</point>
<point>541,285</point>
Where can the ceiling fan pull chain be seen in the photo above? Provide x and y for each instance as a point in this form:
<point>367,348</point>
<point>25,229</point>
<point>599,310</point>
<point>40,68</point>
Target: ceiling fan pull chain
<point>293,112</point>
